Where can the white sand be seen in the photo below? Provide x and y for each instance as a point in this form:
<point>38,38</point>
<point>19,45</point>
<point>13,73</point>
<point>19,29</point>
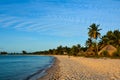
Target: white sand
<point>79,68</point>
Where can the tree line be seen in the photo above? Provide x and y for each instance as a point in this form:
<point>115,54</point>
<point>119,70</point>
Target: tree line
<point>92,44</point>
<point>3,53</point>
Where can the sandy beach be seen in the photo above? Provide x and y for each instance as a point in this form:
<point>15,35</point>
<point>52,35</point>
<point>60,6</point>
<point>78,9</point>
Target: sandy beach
<point>81,68</point>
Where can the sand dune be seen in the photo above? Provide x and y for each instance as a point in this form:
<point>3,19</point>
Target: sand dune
<point>80,68</point>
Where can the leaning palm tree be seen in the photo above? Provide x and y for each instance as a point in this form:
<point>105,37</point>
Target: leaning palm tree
<point>94,34</point>
<point>89,42</point>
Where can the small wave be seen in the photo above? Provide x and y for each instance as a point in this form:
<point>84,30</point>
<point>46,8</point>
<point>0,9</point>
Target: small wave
<point>41,72</point>
<point>36,75</point>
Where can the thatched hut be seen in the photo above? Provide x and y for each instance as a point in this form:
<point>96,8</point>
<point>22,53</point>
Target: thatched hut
<point>90,52</point>
<point>81,53</point>
<point>109,49</point>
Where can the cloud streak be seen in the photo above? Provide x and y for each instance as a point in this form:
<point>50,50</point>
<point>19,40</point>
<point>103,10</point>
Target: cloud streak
<point>32,24</point>
<point>46,16</point>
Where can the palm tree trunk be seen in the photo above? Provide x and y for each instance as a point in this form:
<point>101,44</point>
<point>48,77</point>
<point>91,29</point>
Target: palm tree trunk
<point>96,47</point>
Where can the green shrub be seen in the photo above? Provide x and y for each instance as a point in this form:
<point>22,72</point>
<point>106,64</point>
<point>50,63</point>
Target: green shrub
<point>116,54</point>
<point>105,53</point>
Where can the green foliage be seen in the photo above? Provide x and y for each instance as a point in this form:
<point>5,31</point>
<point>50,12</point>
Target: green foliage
<point>24,52</point>
<point>83,49</point>
<point>105,53</point>
<point>3,53</point>
<point>74,50</point>
<point>50,51</point>
<point>117,53</point>
<point>94,33</point>
<point>89,42</point>
<point>60,50</point>
<point>111,37</point>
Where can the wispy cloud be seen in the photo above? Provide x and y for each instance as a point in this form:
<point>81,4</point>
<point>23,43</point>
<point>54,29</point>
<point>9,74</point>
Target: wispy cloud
<point>10,23</point>
<point>6,19</point>
<point>29,24</point>
<point>22,24</point>
<point>59,17</point>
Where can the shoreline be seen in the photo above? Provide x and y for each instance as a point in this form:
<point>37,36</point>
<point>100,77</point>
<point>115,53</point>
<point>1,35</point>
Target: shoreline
<point>81,68</point>
<point>42,72</point>
<point>52,73</point>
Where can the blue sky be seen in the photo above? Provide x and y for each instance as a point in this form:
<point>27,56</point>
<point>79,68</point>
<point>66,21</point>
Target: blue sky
<point>35,25</point>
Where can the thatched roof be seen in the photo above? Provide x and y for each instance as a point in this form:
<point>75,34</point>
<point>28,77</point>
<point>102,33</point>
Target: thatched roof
<point>109,48</point>
<point>89,52</point>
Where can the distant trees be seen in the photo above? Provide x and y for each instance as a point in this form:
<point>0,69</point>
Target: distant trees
<point>75,49</point>
<point>3,53</point>
<point>60,50</point>
<point>24,52</point>
<point>92,45</point>
<point>66,50</point>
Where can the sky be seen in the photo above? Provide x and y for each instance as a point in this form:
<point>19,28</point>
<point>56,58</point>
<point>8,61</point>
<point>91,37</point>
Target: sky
<point>35,25</point>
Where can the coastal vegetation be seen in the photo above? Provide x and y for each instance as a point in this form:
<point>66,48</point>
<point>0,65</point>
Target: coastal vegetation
<point>94,34</point>
<point>3,53</point>
<point>107,45</point>
<point>24,52</point>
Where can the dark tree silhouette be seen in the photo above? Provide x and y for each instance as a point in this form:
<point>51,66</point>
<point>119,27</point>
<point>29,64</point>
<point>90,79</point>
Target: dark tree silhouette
<point>24,52</point>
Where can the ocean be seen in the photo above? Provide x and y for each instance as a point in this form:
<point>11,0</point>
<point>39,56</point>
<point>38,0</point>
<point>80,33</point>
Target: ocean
<point>20,67</point>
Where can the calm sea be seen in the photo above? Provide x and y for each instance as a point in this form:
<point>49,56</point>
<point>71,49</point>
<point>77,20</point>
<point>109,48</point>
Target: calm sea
<point>23,67</point>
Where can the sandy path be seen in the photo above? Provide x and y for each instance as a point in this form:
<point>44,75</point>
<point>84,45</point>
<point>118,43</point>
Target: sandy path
<point>79,68</point>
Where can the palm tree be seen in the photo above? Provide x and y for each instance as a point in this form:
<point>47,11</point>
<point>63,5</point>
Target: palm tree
<point>24,52</point>
<point>116,38</point>
<point>60,50</point>
<point>112,38</point>
<point>107,39</point>
<point>89,42</point>
<point>74,50</point>
<point>79,47</point>
<point>94,33</point>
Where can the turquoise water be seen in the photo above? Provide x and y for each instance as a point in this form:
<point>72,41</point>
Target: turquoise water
<point>23,67</point>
